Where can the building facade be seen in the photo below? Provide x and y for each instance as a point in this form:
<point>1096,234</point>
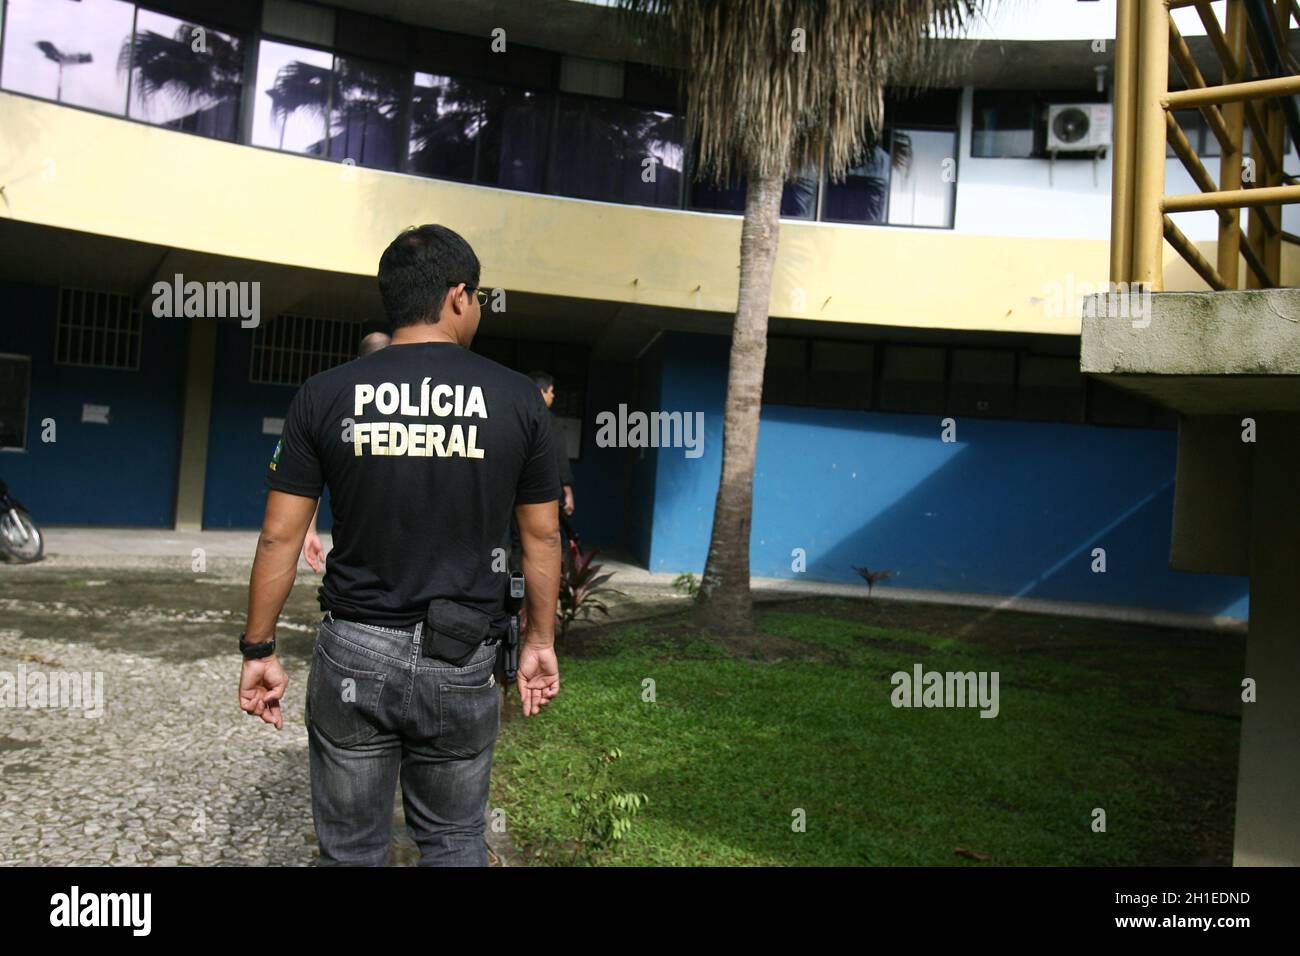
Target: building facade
<point>924,410</point>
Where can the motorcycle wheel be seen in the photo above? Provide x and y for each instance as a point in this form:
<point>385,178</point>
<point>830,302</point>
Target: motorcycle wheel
<point>20,539</point>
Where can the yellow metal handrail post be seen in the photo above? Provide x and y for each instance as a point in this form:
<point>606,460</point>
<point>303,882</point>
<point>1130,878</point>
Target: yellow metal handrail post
<point>1234,116</point>
<point>1273,238</point>
<point>1280,141</point>
<point>1121,190</point>
<point>1153,81</point>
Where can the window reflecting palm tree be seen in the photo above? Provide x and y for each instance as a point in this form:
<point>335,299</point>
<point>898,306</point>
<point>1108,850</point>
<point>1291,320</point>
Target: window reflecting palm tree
<point>863,194</point>
<point>299,86</point>
<point>367,106</point>
<point>448,120</point>
<point>603,146</point>
<point>170,66</point>
<point>359,105</point>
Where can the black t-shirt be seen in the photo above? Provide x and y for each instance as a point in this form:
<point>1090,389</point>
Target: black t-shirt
<point>426,449</point>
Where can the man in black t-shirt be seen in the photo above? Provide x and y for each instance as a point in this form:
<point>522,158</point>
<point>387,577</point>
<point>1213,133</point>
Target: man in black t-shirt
<point>427,448</point>
<point>545,383</point>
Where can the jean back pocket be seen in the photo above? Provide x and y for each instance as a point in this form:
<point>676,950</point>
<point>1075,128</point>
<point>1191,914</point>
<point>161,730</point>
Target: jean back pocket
<point>342,701</point>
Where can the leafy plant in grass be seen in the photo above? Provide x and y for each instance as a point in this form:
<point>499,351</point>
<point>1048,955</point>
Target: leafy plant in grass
<point>687,584</point>
<point>871,577</point>
<point>604,816</point>
<point>580,584</point>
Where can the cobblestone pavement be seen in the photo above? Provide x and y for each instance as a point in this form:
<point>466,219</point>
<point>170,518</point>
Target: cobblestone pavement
<point>166,769</point>
<point>171,772</point>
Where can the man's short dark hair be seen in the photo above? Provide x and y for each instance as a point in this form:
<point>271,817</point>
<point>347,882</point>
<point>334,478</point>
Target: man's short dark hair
<point>543,380</point>
<point>418,268</point>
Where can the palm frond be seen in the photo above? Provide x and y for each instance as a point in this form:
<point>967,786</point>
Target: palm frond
<point>758,106</point>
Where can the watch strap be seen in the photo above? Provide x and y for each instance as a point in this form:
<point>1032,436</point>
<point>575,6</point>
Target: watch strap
<point>256,651</point>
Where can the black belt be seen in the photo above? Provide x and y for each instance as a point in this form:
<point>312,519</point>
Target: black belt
<point>495,635</point>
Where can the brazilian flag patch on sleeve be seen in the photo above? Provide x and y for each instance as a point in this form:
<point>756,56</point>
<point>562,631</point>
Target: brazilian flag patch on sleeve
<point>275,459</point>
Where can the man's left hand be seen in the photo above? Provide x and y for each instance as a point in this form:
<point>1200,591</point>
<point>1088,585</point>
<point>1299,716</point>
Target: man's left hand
<point>261,686</point>
<point>313,551</point>
<point>568,500</point>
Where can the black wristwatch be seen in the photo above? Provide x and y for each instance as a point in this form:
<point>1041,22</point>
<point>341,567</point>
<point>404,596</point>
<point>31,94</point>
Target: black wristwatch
<point>254,652</point>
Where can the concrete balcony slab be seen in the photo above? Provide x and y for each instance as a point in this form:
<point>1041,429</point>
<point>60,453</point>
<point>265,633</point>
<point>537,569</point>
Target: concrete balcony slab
<point>1200,353</point>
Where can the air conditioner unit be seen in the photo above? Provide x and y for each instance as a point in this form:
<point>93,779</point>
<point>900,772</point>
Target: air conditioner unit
<point>1078,127</point>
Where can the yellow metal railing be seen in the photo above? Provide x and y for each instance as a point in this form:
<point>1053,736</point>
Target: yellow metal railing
<point>1259,79</point>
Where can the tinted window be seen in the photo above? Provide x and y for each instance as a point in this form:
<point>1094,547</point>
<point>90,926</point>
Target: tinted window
<point>922,192</point>
<point>785,377</point>
<point>982,383</point>
<point>1109,405</point>
<point>718,197</point>
<point>15,378</point>
<point>912,379</point>
<point>1003,124</point>
<point>842,373</point>
<point>478,132</point>
<point>293,97</point>
<point>68,52</point>
<point>1050,389</point>
<point>185,76</point>
<point>365,112</point>
<point>863,195</point>
<point>612,151</point>
<point>798,196</point>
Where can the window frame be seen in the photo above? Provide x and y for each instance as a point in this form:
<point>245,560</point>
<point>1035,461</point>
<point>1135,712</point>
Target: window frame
<point>132,311</point>
<point>268,351</point>
<point>27,405</point>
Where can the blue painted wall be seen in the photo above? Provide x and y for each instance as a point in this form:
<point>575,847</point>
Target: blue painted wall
<point>238,453</point>
<point>1010,508</point>
<point>123,473</point>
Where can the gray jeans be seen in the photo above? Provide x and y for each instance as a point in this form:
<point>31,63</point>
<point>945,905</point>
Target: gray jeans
<point>376,708</point>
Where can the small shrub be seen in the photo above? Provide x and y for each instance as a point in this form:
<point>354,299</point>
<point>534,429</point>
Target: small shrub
<point>603,816</point>
<point>687,584</point>
<point>580,583</point>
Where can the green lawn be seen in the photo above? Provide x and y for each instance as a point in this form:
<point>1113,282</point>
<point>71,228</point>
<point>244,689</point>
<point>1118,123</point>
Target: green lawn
<point>1138,721</point>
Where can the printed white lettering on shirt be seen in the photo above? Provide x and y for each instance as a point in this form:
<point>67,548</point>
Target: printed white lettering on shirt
<point>418,439</point>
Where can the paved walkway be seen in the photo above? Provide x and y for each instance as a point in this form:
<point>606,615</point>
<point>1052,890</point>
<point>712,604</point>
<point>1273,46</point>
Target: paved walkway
<point>145,547</point>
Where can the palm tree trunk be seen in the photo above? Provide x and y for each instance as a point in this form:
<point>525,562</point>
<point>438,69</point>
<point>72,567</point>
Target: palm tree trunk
<point>724,605</point>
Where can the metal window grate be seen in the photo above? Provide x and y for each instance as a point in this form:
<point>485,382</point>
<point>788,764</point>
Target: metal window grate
<point>97,330</point>
<point>290,349</point>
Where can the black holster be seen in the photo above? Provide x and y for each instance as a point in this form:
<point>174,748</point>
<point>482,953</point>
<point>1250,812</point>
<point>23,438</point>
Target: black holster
<point>453,631</point>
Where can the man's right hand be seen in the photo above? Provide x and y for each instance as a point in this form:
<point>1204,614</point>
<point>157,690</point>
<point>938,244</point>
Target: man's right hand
<point>313,551</point>
<point>538,678</point>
